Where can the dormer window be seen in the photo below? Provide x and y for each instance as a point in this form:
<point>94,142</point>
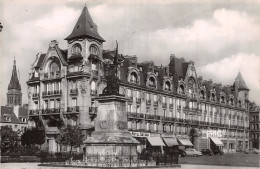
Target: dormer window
<point>167,86</point>
<point>213,96</point>
<point>222,99</point>
<point>202,94</point>
<point>181,89</point>
<point>133,77</point>
<point>76,48</point>
<point>152,82</point>
<point>239,103</point>
<point>54,69</point>
<point>93,50</point>
<point>231,101</point>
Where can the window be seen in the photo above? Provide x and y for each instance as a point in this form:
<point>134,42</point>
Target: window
<point>164,99</point>
<point>133,77</point>
<point>155,98</point>
<point>93,85</point>
<point>167,86</point>
<point>54,67</point>
<point>152,82</point>
<point>46,104</point>
<point>93,50</point>
<point>74,102</point>
<point>181,89</point>
<point>76,48</point>
<point>147,96</point>
<point>155,112</point>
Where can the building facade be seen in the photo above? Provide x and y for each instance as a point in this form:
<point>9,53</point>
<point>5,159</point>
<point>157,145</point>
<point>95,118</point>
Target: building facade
<point>13,114</point>
<point>254,123</point>
<point>169,102</point>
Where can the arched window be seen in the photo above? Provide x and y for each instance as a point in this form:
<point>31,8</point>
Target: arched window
<point>182,89</point>
<point>239,103</point>
<point>191,85</point>
<point>213,96</point>
<point>133,77</point>
<point>54,67</point>
<point>76,48</point>
<point>152,82</point>
<point>93,85</point>
<point>93,50</point>
<point>167,86</point>
<point>231,101</point>
<point>202,94</point>
<point>222,100</point>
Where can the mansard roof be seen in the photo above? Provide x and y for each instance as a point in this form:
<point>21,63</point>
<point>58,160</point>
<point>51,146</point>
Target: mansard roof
<point>14,82</point>
<point>241,82</point>
<point>85,27</point>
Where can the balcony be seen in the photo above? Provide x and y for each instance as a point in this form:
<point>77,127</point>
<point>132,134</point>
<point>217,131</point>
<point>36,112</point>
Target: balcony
<point>93,92</point>
<point>34,112</point>
<point>148,102</point>
<point>133,81</point>
<point>35,95</point>
<point>51,93</point>
<point>138,100</point>
<point>74,91</point>
<point>152,85</point>
<point>168,119</point>
<point>130,98</point>
<point>164,105</point>
<point>152,117</point>
<point>92,110</point>
<point>73,109</point>
<point>155,103</point>
<point>52,75</point>
<point>132,115</point>
<point>51,111</point>
<point>178,107</point>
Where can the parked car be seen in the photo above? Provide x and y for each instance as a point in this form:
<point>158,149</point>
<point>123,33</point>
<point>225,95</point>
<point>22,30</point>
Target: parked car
<point>207,152</point>
<point>182,153</point>
<point>252,151</point>
<point>217,151</point>
<point>192,152</point>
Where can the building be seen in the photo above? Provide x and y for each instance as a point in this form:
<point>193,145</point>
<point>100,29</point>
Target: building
<point>13,115</point>
<point>254,123</point>
<point>169,105</point>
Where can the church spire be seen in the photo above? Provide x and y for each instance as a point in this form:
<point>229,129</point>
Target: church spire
<point>85,27</point>
<point>14,82</point>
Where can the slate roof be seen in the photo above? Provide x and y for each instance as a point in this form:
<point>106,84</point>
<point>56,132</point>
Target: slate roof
<point>40,60</point>
<point>241,82</point>
<point>9,111</point>
<point>85,27</point>
<point>14,82</point>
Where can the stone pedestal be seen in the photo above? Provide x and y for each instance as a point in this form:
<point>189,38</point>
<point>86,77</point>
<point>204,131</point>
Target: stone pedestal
<point>111,135</point>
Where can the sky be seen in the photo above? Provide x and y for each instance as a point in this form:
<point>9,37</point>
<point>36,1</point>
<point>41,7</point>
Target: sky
<point>221,37</point>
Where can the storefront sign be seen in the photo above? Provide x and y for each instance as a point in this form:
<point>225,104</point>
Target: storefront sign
<point>140,134</point>
<point>213,133</point>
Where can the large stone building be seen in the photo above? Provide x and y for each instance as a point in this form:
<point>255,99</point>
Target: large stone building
<point>169,103</point>
<point>12,114</point>
<point>254,126</point>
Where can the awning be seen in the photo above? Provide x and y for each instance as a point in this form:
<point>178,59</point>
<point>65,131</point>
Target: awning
<point>185,142</point>
<point>170,141</point>
<point>156,141</point>
<point>217,141</point>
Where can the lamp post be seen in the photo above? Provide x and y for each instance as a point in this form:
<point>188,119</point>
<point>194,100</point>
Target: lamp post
<point>1,27</point>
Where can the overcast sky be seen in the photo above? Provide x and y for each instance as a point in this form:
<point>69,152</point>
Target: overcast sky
<point>221,37</point>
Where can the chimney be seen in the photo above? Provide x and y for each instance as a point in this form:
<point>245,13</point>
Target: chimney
<point>210,81</point>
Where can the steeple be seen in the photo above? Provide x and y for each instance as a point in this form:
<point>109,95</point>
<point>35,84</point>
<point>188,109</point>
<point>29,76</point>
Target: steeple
<point>85,27</point>
<point>14,94</point>
<point>241,82</point>
<point>14,82</point>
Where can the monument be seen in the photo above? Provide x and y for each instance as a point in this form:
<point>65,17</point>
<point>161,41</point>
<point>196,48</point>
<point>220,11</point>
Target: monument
<point>111,143</point>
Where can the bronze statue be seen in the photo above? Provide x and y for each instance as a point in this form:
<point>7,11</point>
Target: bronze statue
<point>111,75</point>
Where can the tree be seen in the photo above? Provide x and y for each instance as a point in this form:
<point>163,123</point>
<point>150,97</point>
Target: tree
<point>33,136</point>
<point>9,139</point>
<point>70,136</point>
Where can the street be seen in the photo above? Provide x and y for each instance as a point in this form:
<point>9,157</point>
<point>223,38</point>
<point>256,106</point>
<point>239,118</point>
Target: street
<point>236,159</point>
<point>227,161</point>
